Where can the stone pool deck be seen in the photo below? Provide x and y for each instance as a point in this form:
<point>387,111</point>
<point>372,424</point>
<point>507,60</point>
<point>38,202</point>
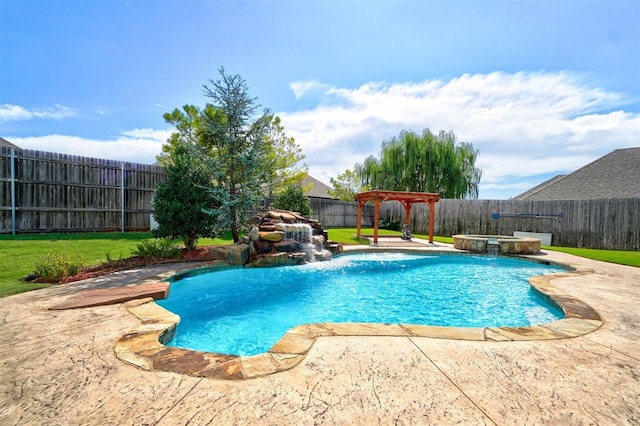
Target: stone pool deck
<point>61,367</point>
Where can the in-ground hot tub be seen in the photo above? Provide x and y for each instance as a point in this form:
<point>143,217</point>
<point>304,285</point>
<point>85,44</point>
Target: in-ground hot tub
<point>497,244</point>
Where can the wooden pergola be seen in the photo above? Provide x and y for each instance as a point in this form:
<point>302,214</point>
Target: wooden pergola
<point>407,199</point>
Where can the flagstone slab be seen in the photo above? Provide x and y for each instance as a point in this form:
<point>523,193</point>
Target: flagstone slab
<point>573,327</point>
<point>110,296</point>
<point>463,333</point>
<point>365,329</point>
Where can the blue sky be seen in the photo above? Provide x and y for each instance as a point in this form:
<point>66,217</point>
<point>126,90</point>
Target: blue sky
<point>540,88</point>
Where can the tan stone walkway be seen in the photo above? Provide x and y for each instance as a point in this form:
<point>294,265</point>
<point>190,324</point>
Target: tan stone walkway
<point>59,367</point>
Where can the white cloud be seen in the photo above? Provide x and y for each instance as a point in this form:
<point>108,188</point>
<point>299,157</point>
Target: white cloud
<point>137,145</point>
<point>299,88</point>
<point>311,89</point>
<point>9,112</point>
<point>523,124</point>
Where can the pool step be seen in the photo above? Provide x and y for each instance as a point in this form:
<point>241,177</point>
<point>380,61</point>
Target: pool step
<point>493,249</point>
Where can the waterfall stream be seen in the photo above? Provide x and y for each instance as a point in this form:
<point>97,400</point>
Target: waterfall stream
<point>313,244</point>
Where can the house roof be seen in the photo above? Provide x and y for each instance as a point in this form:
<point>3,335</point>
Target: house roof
<point>616,175</point>
<point>4,142</point>
<point>539,187</point>
<point>318,189</point>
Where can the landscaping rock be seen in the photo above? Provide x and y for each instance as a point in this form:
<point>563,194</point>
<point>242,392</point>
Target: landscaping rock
<point>238,254</point>
<point>280,259</point>
<point>273,236</point>
<point>289,246</point>
<point>262,247</point>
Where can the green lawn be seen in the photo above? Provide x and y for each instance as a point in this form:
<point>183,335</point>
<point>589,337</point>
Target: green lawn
<point>19,253</point>
<point>630,258</point>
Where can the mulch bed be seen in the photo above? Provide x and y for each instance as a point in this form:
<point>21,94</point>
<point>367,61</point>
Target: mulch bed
<point>197,255</point>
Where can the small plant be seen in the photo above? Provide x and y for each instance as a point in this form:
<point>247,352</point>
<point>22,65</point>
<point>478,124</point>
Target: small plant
<point>54,267</point>
<point>109,260</point>
<point>158,248</point>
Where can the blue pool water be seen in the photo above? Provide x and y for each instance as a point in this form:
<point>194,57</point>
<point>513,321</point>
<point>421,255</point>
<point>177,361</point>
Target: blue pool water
<point>245,311</point>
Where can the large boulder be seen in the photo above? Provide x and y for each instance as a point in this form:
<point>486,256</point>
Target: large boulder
<point>279,259</point>
<point>289,246</point>
<point>238,254</point>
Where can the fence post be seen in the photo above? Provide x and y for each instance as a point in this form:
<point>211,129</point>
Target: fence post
<point>13,191</point>
<point>122,196</point>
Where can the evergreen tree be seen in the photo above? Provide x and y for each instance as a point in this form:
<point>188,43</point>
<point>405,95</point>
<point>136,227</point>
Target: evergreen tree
<point>181,201</point>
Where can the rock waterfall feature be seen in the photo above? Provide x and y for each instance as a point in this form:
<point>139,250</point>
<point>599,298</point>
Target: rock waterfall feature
<point>280,237</point>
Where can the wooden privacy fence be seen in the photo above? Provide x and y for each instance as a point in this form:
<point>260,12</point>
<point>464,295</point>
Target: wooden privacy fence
<point>336,213</point>
<point>608,223</point>
<point>46,192</point>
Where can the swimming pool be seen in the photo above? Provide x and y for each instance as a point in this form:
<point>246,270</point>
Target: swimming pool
<point>245,311</point>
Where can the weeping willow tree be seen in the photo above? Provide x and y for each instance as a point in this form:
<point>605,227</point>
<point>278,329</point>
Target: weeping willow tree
<point>423,163</point>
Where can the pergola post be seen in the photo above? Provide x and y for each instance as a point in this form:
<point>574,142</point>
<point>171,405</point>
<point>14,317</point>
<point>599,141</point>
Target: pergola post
<point>359,219</point>
<point>376,219</point>
<point>432,215</point>
<point>407,211</point>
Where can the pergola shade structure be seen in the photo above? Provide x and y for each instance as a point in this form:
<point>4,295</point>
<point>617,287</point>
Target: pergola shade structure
<point>407,199</point>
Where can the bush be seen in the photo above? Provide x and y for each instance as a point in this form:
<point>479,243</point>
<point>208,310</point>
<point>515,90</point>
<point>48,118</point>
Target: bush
<point>184,198</point>
<point>158,248</point>
<point>293,199</point>
<point>391,225</point>
<point>56,266</point>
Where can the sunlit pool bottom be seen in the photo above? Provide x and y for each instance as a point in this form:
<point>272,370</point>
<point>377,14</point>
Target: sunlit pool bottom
<point>246,311</point>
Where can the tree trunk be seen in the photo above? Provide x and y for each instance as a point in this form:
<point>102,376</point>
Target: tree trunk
<point>234,232</point>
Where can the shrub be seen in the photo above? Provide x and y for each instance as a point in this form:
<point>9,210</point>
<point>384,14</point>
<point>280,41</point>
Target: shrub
<point>183,200</point>
<point>56,266</point>
<point>158,248</point>
<point>391,225</point>
<point>293,199</point>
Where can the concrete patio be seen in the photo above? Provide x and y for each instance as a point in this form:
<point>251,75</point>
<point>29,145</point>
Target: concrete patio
<point>60,367</point>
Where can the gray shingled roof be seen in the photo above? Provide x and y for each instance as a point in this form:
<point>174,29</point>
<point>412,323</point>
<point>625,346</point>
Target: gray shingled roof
<point>318,188</point>
<point>539,187</point>
<point>616,175</point>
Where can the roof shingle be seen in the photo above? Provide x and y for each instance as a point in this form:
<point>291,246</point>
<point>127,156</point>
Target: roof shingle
<point>616,175</point>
